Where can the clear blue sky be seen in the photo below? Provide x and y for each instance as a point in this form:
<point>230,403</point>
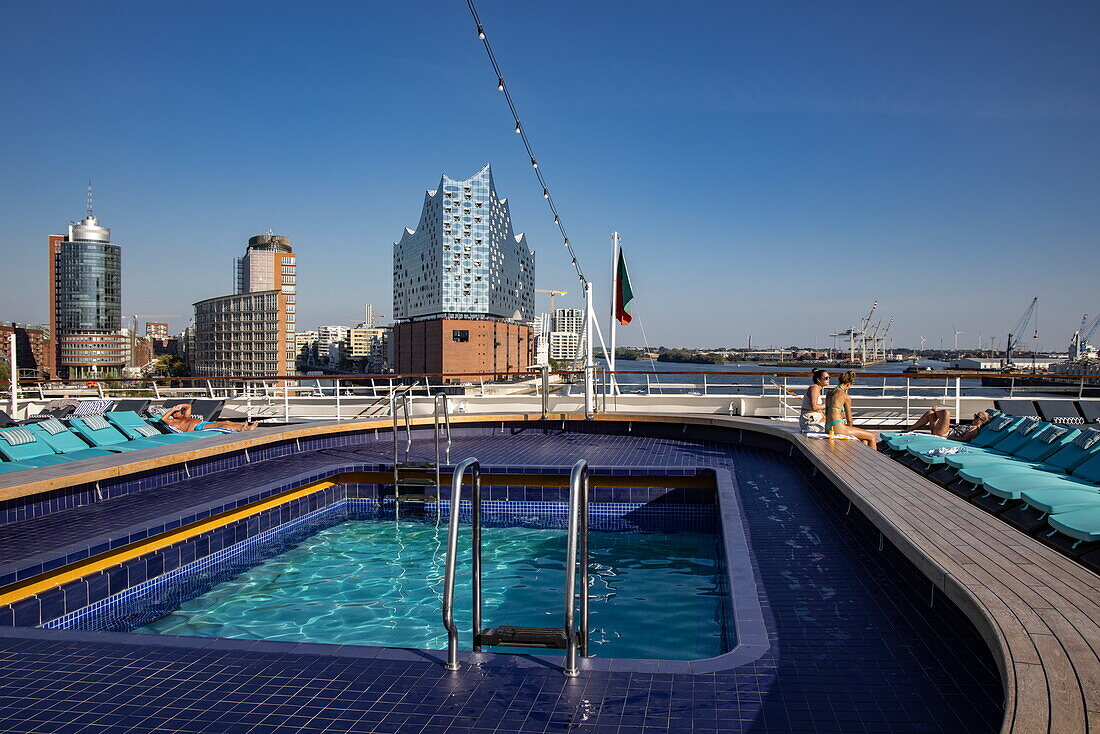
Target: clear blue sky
<point>773,167</point>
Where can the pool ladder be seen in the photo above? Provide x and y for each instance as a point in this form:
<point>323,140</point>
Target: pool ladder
<point>410,474</point>
<point>567,637</point>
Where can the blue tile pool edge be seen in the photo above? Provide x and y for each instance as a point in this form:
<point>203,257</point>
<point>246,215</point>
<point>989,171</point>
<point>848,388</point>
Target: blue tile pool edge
<point>752,638</point>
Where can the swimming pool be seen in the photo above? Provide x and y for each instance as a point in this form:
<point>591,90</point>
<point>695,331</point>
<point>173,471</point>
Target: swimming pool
<point>353,573</point>
<point>379,581</point>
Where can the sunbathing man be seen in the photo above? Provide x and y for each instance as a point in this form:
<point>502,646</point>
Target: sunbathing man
<point>179,418</point>
<point>838,411</point>
<point>938,421</point>
<point>812,416</point>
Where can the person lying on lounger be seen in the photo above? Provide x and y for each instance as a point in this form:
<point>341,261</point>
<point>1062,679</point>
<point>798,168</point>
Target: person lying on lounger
<point>938,421</point>
<point>179,417</point>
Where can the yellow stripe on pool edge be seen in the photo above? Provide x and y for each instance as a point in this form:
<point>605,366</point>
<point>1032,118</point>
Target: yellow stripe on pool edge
<point>95,564</point>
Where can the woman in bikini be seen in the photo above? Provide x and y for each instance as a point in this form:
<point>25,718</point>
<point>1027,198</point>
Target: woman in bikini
<point>838,412</point>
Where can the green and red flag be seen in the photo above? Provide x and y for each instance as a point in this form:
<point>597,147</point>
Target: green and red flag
<point>624,296</point>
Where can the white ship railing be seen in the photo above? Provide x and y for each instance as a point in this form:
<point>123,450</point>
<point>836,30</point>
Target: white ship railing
<point>880,398</point>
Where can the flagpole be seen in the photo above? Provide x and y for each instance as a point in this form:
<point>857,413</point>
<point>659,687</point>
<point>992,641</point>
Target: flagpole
<point>614,296</point>
<point>590,321</point>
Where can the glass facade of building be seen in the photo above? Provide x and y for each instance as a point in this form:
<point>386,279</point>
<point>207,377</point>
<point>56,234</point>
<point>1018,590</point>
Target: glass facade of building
<point>238,335</point>
<point>86,301</point>
<point>89,286</point>
<point>463,257</point>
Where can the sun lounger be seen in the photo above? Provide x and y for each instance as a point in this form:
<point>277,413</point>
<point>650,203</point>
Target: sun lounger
<point>1090,410</point>
<point>102,434</point>
<point>63,441</point>
<point>135,405</point>
<point>1022,408</point>
<point>21,445</point>
<point>1082,524</point>
<point>1063,412</point>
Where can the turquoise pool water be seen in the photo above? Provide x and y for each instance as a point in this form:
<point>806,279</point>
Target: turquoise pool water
<point>380,582</point>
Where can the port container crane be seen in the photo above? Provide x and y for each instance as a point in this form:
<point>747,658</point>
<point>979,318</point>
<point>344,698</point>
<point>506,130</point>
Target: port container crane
<point>1079,342</point>
<point>1018,330</point>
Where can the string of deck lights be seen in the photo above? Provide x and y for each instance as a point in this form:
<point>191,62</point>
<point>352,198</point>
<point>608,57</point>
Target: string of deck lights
<point>522,132</point>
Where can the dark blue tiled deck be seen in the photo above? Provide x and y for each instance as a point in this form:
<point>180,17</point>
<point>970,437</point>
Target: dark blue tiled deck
<point>856,646</point>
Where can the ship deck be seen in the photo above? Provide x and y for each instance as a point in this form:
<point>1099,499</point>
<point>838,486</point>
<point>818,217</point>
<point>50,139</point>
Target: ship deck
<point>1038,611</point>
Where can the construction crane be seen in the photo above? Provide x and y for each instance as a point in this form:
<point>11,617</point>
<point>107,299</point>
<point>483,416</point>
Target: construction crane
<point>367,317</point>
<point>1018,330</point>
<point>552,295</point>
<point>1079,342</point>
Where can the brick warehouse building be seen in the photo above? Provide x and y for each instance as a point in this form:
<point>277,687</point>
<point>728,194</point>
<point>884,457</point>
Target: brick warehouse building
<point>463,345</point>
<point>463,285</point>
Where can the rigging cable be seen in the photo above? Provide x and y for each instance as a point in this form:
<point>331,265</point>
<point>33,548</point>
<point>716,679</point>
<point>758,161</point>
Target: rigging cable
<point>522,132</point>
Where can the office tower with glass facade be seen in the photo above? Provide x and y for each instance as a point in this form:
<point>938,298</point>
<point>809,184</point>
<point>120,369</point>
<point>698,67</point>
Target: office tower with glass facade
<point>251,332</point>
<point>86,302</point>
<point>463,284</point>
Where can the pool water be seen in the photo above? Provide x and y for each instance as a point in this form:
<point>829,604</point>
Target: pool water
<point>380,582</point>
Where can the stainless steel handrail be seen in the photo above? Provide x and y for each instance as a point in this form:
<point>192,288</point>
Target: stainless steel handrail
<point>406,406</point>
<point>577,534</point>
<point>447,424</point>
<point>474,466</point>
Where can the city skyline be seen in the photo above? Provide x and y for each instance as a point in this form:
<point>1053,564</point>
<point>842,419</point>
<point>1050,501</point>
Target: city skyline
<point>986,159</point>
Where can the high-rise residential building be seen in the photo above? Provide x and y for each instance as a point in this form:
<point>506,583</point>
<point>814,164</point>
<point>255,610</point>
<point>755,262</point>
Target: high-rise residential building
<point>306,344</point>
<point>567,334</point>
<point>463,284</point>
<point>156,330</point>
<point>251,332</point>
<point>86,301</point>
<point>331,344</point>
<point>541,326</point>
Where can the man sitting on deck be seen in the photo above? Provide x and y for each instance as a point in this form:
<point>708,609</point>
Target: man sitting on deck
<point>179,419</point>
<point>938,421</point>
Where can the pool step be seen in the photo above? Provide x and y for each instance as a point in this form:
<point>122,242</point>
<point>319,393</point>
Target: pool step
<point>552,638</point>
<point>418,465</point>
<point>415,482</point>
<point>422,499</point>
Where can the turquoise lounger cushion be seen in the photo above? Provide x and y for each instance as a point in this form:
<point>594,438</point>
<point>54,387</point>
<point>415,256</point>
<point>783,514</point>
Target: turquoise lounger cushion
<point>1011,486</point>
<point>10,466</point>
<point>1082,524</point>
<point>1056,501</point>
<point>109,437</point>
<point>996,431</point>
<point>22,445</point>
<point>65,442</point>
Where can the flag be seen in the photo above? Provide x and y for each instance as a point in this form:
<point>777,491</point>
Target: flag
<point>624,296</point>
